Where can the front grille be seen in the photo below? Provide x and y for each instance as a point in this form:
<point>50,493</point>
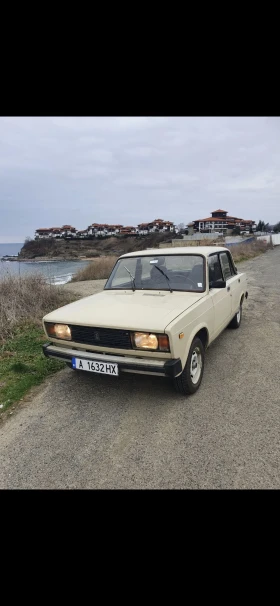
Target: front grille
<point>103,337</point>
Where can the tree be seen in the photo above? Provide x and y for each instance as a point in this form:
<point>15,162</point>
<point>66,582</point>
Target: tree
<point>236,231</point>
<point>262,226</point>
<point>181,226</point>
<point>276,228</point>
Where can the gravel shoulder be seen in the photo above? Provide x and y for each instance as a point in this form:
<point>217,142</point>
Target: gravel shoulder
<point>84,289</point>
<point>87,431</point>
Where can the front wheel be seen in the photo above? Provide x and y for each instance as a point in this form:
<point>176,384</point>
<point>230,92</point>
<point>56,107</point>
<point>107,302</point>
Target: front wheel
<point>236,320</point>
<point>189,380</point>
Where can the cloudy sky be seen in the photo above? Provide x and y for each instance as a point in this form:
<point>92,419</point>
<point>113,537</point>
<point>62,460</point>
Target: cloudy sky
<point>85,170</point>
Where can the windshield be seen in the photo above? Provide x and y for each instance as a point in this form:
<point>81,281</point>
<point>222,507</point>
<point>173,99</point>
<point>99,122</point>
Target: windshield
<point>160,272</point>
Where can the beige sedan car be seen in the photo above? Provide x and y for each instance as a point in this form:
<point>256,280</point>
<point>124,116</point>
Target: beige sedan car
<point>159,311</point>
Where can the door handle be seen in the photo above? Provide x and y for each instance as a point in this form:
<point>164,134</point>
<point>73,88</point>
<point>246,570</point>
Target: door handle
<point>228,288</point>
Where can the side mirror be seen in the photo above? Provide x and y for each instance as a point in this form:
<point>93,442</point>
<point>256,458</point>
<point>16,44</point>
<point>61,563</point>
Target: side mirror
<point>218,284</point>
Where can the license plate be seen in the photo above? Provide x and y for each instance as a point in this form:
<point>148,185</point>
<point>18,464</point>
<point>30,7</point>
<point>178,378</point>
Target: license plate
<point>103,368</point>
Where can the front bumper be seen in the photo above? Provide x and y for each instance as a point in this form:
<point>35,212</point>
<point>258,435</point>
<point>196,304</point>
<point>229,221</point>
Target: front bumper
<point>165,368</point>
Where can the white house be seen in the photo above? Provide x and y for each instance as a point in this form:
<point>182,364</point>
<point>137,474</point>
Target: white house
<point>43,233</point>
<point>158,225</point>
<point>103,229</point>
<point>56,232</point>
<point>82,233</point>
<point>68,230</point>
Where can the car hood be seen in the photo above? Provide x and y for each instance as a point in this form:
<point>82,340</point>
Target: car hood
<point>139,310</point>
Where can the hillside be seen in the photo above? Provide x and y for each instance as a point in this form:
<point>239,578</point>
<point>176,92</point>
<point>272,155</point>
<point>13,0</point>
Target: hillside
<point>76,249</point>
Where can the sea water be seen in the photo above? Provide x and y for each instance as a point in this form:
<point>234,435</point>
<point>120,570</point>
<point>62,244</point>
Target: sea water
<point>55,272</point>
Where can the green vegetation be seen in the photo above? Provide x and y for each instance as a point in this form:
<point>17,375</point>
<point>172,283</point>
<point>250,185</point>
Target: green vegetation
<point>23,365</point>
<point>23,303</point>
<point>277,228</point>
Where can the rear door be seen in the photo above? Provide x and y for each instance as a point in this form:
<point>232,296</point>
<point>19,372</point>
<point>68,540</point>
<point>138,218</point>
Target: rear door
<point>221,297</point>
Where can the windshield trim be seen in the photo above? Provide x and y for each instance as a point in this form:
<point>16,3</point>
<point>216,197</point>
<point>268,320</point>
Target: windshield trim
<point>161,289</point>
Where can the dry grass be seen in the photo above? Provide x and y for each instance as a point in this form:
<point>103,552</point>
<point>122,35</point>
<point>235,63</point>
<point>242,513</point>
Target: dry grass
<point>99,269</point>
<point>240,252</point>
<point>243,251</point>
<point>27,299</point>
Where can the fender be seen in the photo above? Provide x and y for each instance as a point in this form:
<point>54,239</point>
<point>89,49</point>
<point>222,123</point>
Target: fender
<point>190,340</point>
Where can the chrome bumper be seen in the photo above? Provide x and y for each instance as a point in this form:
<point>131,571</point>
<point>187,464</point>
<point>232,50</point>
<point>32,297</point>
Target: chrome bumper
<point>165,368</point>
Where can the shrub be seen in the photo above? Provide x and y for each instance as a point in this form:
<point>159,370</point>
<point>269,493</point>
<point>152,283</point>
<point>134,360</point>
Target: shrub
<point>99,269</point>
<point>27,299</point>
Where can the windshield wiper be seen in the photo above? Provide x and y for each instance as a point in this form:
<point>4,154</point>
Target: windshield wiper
<point>164,274</point>
<point>132,278</point>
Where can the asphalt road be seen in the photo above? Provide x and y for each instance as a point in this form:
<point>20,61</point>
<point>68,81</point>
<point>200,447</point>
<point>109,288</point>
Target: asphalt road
<point>87,431</point>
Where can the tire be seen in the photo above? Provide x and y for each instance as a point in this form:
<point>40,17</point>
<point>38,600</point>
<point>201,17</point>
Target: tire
<point>187,383</point>
<point>236,321</point>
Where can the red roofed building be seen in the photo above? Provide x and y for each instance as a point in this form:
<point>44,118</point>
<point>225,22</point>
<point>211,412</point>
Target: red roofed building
<point>103,229</point>
<point>158,225</point>
<point>129,229</point>
<point>55,232</point>
<point>68,230</point>
<point>43,232</point>
<point>221,222</point>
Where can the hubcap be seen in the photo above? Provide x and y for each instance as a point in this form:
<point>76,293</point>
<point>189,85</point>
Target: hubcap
<point>196,365</point>
<point>238,315</point>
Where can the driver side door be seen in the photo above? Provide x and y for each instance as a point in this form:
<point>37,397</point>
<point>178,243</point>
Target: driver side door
<point>232,280</point>
<point>221,297</point>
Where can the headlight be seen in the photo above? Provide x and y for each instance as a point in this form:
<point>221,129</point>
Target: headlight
<point>59,331</point>
<point>146,340</point>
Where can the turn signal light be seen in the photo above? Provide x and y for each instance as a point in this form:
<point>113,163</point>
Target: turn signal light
<point>163,343</point>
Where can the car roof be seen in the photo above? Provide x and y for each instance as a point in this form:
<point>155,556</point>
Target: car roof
<point>179,250</point>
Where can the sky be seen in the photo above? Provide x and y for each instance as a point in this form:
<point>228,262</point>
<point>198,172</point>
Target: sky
<point>129,170</point>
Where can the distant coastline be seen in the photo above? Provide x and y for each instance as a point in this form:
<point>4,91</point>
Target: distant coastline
<point>53,251</point>
<point>46,259</point>
<point>88,249</point>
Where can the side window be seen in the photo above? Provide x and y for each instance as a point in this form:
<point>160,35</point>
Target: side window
<point>232,265</point>
<point>214,269</point>
<point>226,265</point>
